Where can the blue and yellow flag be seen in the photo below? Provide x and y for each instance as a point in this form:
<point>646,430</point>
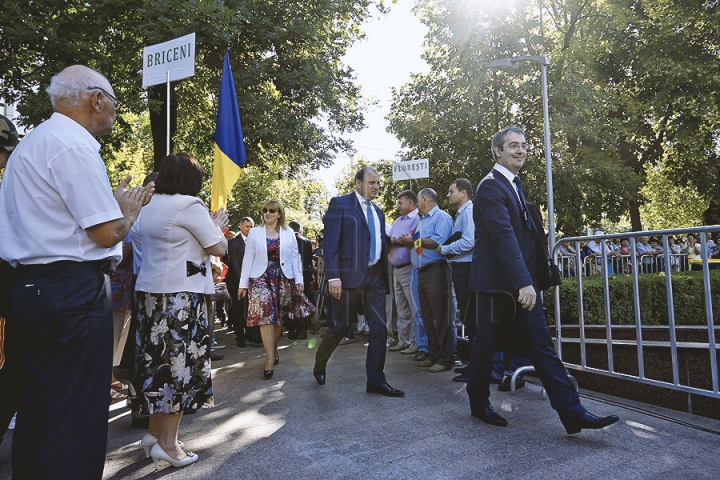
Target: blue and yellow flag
<point>229,146</point>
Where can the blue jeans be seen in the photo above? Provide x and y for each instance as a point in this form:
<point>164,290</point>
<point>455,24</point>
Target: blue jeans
<point>498,360</point>
<point>421,340</point>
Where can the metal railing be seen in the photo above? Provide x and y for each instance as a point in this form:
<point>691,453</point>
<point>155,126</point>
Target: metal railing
<point>638,265</point>
<point>621,264</point>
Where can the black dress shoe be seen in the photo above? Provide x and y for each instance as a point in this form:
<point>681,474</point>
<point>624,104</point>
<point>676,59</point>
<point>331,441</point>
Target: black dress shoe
<point>241,343</point>
<point>267,374</point>
<point>215,357</point>
<point>465,369</point>
<point>505,385</point>
<point>588,421</point>
<point>320,376</point>
<point>463,378</point>
<point>385,389</point>
<point>488,415</point>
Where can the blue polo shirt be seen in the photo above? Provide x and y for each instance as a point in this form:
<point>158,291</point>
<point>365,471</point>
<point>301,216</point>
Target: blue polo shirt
<point>437,225</point>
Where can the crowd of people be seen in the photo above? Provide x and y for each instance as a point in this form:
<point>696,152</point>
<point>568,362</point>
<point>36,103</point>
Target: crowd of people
<point>134,278</point>
<point>684,254</point>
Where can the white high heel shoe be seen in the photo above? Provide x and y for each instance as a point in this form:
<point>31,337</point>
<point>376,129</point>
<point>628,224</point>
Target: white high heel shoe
<point>157,453</point>
<point>148,441</point>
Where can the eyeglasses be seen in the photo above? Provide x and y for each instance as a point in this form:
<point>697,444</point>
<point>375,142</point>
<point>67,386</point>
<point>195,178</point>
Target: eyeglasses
<point>117,102</point>
<point>270,210</point>
<point>516,146</point>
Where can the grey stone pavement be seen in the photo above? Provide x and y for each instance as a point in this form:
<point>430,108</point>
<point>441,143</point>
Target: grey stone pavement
<point>292,428</point>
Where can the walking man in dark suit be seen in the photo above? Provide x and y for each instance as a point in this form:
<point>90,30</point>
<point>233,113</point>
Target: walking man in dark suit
<point>239,306</point>
<point>504,261</point>
<point>298,330</point>
<point>355,256</point>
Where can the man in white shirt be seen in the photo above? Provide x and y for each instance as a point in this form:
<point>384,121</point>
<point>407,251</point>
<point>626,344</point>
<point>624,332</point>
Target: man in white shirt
<point>61,227</point>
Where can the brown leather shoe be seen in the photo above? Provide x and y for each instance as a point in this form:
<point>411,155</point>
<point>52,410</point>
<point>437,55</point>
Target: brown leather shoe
<point>426,363</point>
<point>439,368</point>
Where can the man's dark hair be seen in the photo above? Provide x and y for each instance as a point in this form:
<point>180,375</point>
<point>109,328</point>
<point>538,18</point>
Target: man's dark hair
<point>464,185</point>
<point>360,175</point>
<point>295,226</point>
<point>498,140</point>
<point>409,195</point>
<point>247,219</point>
<point>150,177</point>
<point>429,194</point>
<point>179,173</point>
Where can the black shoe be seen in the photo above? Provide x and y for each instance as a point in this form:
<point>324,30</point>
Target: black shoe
<point>421,356</point>
<point>139,421</point>
<point>277,360</point>
<point>488,415</point>
<point>267,374</point>
<point>385,389</point>
<point>301,335</point>
<point>292,335</point>
<point>320,376</point>
<point>215,357</point>
<point>588,421</point>
<point>241,343</point>
<point>505,385</point>
<point>462,378</point>
<point>464,369</point>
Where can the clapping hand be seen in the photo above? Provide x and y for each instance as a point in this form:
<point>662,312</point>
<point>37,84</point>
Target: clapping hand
<point>132,199</point>
<point>220,218</point>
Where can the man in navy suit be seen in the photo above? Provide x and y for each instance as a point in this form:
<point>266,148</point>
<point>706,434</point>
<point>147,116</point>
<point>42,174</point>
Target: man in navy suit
<point>507,296</point>
<point>237,316</point>
<point>355,256</point>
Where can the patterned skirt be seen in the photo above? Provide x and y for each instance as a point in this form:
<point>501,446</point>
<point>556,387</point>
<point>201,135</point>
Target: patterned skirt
<point>272,299</point>
<point>172,354</point>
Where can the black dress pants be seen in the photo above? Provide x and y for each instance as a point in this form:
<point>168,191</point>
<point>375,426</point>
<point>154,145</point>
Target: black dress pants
<point>62,424</point>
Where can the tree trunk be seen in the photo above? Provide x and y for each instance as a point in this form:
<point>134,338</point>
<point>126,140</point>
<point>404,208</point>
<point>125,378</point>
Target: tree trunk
<point>157,95</point>
<point>635,217</point>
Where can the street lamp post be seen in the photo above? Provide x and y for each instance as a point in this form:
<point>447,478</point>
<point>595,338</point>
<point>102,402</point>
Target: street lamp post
<point>514,63</point>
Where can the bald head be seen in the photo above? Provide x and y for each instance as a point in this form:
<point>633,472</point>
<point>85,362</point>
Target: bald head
<point>86,96</point>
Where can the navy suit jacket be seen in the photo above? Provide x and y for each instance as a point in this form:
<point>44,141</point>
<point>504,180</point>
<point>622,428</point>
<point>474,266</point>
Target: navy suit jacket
<point>236,252</point>
<point>346,242</point>
<point>505,247</point>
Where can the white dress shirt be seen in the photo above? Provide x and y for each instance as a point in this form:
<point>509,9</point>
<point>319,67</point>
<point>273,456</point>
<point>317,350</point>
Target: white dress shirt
<point>55,186</point>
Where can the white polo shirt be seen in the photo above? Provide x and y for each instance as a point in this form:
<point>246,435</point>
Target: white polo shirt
<point>54,187</point>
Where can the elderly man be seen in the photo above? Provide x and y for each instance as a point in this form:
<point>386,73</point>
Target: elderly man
<point>434,277</point>
<point>61,227</point>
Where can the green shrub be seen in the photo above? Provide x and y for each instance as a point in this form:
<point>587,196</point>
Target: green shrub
<point>688,298</point>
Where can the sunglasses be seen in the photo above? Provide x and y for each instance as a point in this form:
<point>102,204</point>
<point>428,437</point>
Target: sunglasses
<point>117,102</point>
<point>270,210</point>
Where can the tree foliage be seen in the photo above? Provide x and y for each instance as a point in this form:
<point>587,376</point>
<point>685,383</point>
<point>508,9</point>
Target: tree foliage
<point>286,58</point>
<point>631,84</point>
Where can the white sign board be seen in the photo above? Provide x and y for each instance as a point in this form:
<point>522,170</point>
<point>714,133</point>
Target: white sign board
<point>411,169</point>
<point>176,56</point>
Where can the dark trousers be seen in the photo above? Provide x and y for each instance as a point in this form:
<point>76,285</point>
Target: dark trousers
<point>12,352</point>
<point>237,315</point>
<point>461,279</point>
<point>533,336</point>
<point>62,424</point>
<point>436,305</point>
<point>343,313</point>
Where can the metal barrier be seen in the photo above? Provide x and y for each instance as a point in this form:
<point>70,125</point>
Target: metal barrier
<point>621,264</point>
<point>638,265</point>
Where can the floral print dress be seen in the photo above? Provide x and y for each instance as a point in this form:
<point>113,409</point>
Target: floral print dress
<point>272,296</point>
<point>172,353</point>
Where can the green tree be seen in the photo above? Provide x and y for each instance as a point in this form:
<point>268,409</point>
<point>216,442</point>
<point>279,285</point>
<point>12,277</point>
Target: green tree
<point>286,57</point>
<point>632,84</point>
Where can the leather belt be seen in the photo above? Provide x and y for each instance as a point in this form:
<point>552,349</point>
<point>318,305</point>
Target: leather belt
<point>402,266</point>
<point>434,264</point>
<point>106,265</point>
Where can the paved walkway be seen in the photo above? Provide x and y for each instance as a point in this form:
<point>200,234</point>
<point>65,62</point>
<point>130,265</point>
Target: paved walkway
<point>290,427</point>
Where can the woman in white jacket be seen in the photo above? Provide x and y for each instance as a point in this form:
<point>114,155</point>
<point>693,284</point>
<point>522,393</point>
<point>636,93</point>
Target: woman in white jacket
<point>272,278</point>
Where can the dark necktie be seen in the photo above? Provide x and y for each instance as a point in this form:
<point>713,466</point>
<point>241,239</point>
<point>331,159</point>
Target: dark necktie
<point>521,194</point>
<point>371,227</point>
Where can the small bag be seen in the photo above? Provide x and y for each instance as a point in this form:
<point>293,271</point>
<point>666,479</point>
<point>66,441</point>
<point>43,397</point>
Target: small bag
<point>547,274</point>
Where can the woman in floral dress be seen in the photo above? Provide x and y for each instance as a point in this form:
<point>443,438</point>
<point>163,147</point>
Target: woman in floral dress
<point>172,356</point>
<point>272,277</point>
